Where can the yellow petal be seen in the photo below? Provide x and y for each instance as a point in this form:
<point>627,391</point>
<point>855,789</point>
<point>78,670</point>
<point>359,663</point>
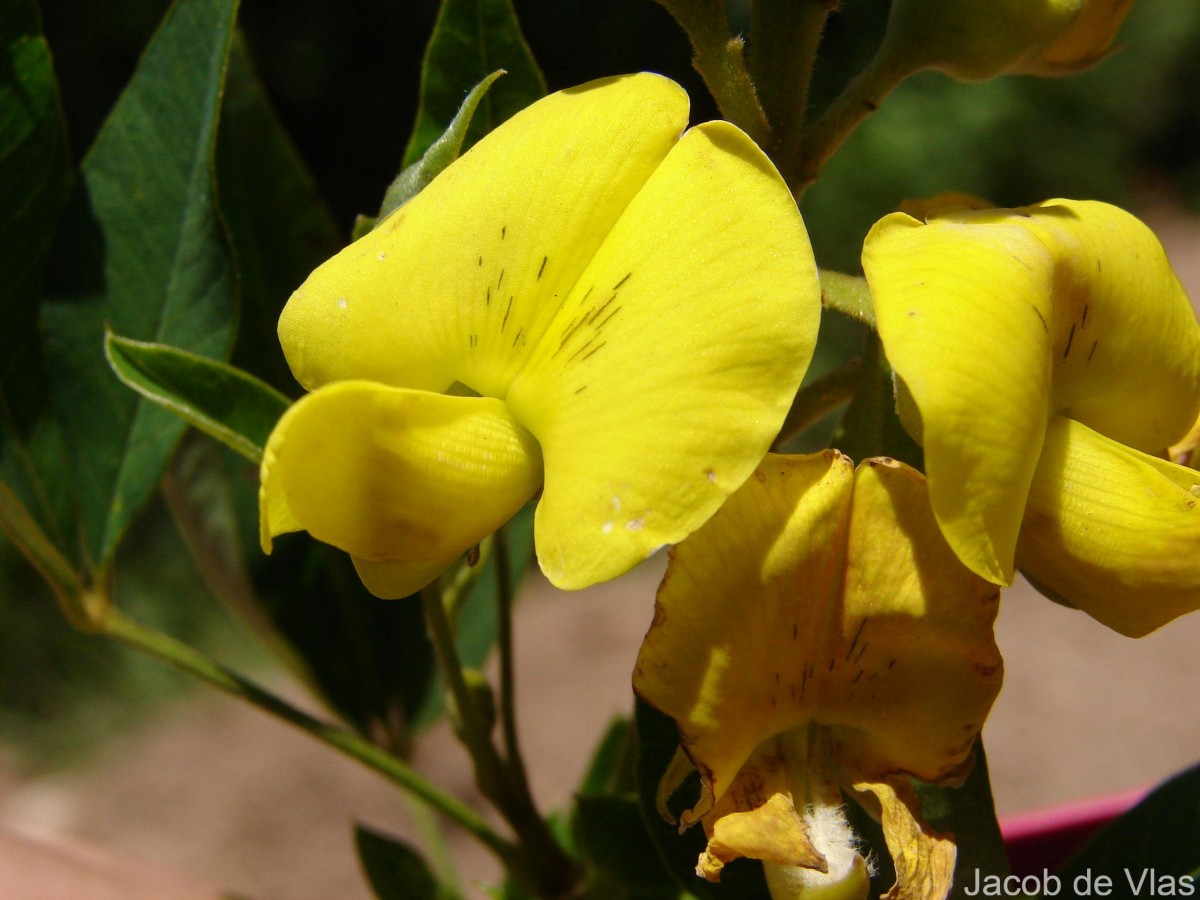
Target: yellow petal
<point>392,580</point>
<point>757,818</point>
<point>395,476</point>
<point>964,309</point>
<point>1184,452</point>
<point>1126,344</point>
<point>800,604</point>
<point>743,612</point>
<point>996,319</point>
<point>671,366</point>
<point>785,810</point>
<point>459,283</point>
<point>924,860</point>
<point>1113,531</point>
<point>912,617</point>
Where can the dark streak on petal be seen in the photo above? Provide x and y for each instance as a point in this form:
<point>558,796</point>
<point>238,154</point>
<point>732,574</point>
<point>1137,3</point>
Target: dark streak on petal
<point>542,268</point>
<point>507,310</point>
<point>593,350</point>
<point>571,329</point>
<point>857,635</point>
<point>1045,327</point>
<point>1070,338</point>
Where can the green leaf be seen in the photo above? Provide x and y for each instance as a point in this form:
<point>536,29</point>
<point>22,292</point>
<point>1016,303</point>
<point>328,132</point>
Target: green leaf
<point>622,859</point>
<point>658,739</point>
<point>1157,837</point>
<point>280,227</point>
<point>605,771</point>
<point>443,151</point>
<point>35,180</point>
<point>471,40</point>
<point>142,252</point>
<point>395,870</point>
<point>222,401</point>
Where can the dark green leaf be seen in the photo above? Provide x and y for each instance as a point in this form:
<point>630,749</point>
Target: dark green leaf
<point>471,40</point>
<point>394,870</point>
<point>606,772</point>
<point>658,739</point>
<point>224,402</point>
<point>622,860</point>
<point>440,154</point>
<point>1159,837</point>
<point>142,252</point>
<point>35,179</point>
<point>280,227</point>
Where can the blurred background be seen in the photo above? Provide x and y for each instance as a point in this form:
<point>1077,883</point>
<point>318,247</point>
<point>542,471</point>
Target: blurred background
<point>210,788</point>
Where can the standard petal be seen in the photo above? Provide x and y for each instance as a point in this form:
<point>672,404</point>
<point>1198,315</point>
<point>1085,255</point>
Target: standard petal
<point>1126,357</point>
<point>1113,531</point>
<point>669,370</point>
<point>911,668</point>
<point>800,605</point>
<point>745,615</point>
<point>459,283</point>
<point>395,476</point>
<point>964,311</point>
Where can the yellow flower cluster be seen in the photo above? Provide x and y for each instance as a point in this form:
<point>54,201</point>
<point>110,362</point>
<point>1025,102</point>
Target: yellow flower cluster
<point>601,306</point>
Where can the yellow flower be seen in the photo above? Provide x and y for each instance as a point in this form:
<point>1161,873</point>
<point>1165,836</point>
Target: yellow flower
<point>586,303</point>
<point>975,41</point>
<point>1053,358</point>
<point>819,635</point>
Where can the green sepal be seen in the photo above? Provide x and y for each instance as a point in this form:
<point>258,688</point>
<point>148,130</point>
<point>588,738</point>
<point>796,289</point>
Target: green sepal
<point>443,151</point>
<point>471,40</point>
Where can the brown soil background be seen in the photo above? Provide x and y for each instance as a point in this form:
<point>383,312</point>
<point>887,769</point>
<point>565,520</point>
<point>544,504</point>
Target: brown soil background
<point>214,793</point>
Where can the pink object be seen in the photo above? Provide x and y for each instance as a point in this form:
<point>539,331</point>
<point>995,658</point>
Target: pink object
<point>1047,838</point>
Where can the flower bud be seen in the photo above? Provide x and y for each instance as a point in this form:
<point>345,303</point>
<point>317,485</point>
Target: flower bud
<point>974,40</point>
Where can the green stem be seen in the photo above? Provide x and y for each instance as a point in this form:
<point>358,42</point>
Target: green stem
<point>187,659</point>
<point>469,723</point>
<point>816,400</point>
<point>849,295</point>
<point>861,433</point>
<point>84,606</point>
<point>721,61</point>
<point>508,695</point>
<point>540,863</point>
<point>784,37</point>
<point>861,97</point>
